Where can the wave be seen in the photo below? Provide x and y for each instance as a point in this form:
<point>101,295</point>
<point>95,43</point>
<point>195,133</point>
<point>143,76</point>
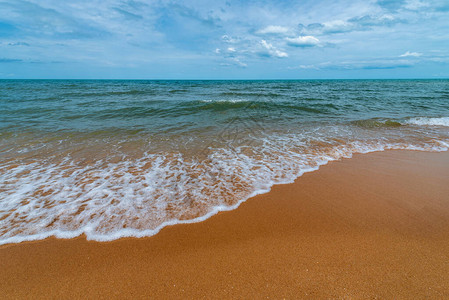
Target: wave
<point>258,94</point>
<point>261,106</point>
<point>124,158</point>
<point>375,123</point>
<point>83,94</point>
<point>422,121</point>
<point>138,197</point>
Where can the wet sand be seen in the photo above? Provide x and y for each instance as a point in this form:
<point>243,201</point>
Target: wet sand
<point>376,225</point>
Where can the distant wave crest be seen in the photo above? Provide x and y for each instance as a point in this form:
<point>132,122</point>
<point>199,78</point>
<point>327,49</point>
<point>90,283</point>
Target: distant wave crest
<point>443,121</point>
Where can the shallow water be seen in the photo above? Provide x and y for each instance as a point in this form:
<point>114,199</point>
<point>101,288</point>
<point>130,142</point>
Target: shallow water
<point>126,158</point>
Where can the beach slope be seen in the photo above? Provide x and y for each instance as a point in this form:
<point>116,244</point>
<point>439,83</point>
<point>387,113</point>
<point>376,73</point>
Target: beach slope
<point>375,225</point>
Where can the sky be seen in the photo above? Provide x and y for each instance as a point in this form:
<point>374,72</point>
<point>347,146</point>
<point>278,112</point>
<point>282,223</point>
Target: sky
<point>204,39</point>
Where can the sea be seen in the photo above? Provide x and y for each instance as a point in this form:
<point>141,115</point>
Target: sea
<point>125,158</point>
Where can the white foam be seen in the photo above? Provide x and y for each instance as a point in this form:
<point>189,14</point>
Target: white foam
<point>223,100</point>
<point>443,121</point>
<point>138,197</point>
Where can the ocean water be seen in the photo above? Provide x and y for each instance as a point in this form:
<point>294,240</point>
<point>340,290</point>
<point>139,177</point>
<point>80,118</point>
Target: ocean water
<point>111,159</point>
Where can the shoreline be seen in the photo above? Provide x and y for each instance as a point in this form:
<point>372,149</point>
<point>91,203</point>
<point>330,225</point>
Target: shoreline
<point>132,233</point>
<point>375,225</point>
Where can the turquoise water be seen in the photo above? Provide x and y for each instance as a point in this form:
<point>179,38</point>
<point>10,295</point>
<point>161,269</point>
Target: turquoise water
<point>126,158</point>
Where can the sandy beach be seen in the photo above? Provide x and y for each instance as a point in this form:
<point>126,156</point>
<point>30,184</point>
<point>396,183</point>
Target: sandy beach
<point>373,226</point>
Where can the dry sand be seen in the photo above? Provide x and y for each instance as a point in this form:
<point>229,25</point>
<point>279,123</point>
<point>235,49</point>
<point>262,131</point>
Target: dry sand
<point>374,226</point>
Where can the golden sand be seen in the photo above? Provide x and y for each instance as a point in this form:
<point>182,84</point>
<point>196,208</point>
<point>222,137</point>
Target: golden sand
<point>376,225</point>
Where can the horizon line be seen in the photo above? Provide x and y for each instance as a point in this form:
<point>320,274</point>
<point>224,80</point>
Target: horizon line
<point>229,79</point>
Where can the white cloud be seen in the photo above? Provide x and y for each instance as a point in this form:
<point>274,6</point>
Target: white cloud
<point>226,38</point>
<point>97,33</point>
<point>272,29</point>
<point>338,26</point>
<point>303,41</point>
<point>415,5</point>
<point>356,23</point>
<point>370,64</point>
<point>270,50</point>
<point>411,54</point>
<point>307,67</point>
<point>239,63</point>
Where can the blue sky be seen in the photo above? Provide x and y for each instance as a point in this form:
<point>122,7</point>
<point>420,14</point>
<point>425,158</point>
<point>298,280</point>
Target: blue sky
<point>202,39</point>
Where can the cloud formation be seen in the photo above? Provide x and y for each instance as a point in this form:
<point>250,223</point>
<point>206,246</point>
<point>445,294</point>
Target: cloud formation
<point>412,54</point>
<point>273,29</point>
<point>378,64</point>
<point>223,38</point>
<point>303,41</point>
<point>271,51</point>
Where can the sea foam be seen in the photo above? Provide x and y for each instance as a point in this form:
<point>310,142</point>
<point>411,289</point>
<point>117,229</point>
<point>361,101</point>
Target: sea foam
<point>111,159</point>
<point>422,121</point>
<point>139,197</point>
